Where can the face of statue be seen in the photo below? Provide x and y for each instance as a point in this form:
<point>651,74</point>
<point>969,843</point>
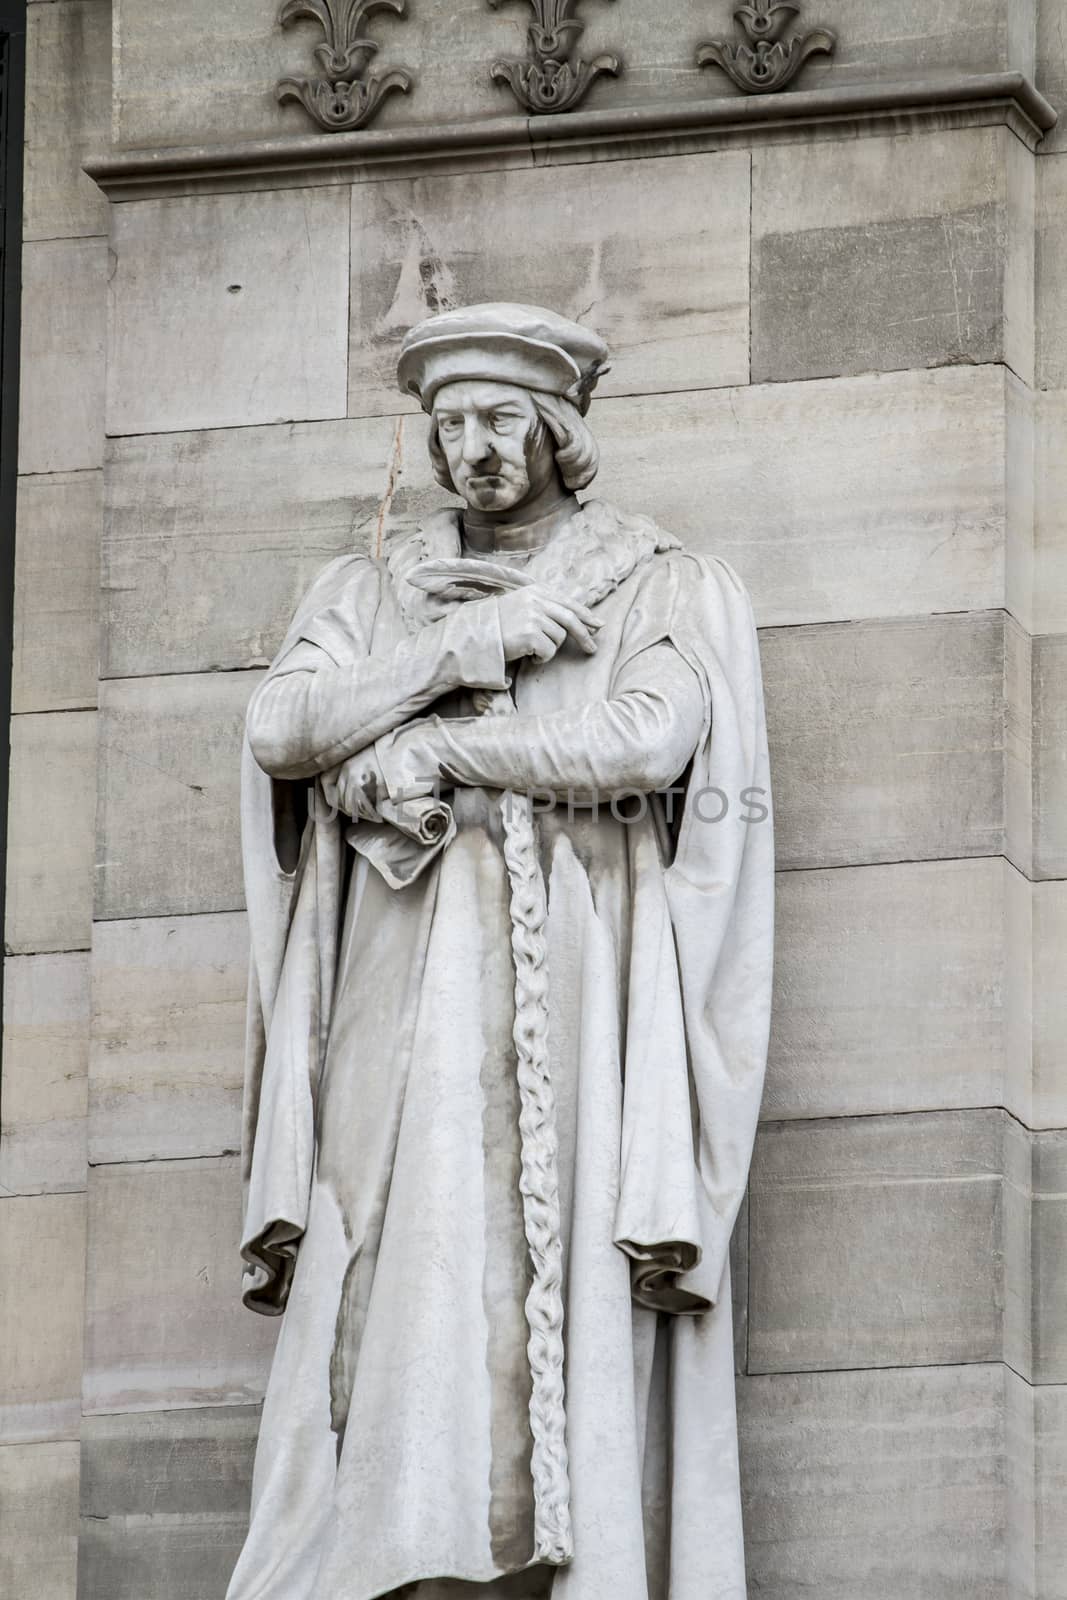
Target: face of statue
<point>499,452</point>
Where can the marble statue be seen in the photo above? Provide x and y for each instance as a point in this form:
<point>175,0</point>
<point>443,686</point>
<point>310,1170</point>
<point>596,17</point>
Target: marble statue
<point>509,871</point>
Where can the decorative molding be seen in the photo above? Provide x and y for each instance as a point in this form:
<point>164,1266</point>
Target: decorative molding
<point>551,80</point>
<point>998,99</point>
<point>346,97</point>
<point>767,63</point>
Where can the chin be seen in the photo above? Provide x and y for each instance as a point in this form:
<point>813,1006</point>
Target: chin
<point>502,498</point>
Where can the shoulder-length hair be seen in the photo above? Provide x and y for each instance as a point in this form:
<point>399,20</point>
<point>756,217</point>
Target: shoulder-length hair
<point>577,453</point>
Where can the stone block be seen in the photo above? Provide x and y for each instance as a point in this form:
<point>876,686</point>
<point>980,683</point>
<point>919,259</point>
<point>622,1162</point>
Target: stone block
<point>168,1033</point>
<point>884,253</point>
<point>212,538</point>
<point>165,1327</point>
<point>168,823</point>
<point>50,832</point>
<point>68,103</point>
<point>1050,756</point>
<point>877,1242</point>
<point>1050,1006</point>
<point>39,1516</point>
<point>165,1498</point>
<point>887,740</point>
<point>1051,76</point>
<point>1049,1244</point>
<point>57,586</point>
<point>880,1484</point>
<point>61,390</point>
<point>42,1252</point>
<point>45,1063</point>
<point>228,310</point>
<point>1050,510</point>
<point>1052,272</point>
<point>1050,1438</point>
<point>892,989</point>
<point>654,253</point>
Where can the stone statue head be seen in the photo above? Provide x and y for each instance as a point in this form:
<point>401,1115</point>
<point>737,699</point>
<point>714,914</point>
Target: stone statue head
<point>506,388</point>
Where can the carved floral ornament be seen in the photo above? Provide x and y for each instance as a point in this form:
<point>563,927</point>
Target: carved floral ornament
<point>553,77</point>
<point>767,62</point>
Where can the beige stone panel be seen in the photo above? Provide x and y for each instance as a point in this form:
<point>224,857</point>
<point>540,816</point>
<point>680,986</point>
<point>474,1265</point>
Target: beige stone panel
<point>212,538</point>
<point>1050,510</point>
<point>39,1518</point>
<point>68,102</point>
<point>168,826</point>
<point>871,496</point>
<point>45,1064</point>
<point>166,1493</point>
<point>42,1266</point>
<point>891,989</point>
<point>1052,81</point>
<point>1050,756</point>
<point>880,1484</point>
<point>57,585</point>
<point>201,71</point>
<point>1049,1243</point>
<point>50,832</point>
<point>228,310</point>
<point>165,1326</point>
<point>1052,272</point>
<point>61,391</point>
<point>886,253</point>
<point>1050,1436</point>
<point>168,1037</point>
<point>652,253</point>
<point>1050,1005</point>
<point>877,1242</point>
<point>887,740</point>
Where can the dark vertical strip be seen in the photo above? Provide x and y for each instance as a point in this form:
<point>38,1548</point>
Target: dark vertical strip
<point>12,119</point>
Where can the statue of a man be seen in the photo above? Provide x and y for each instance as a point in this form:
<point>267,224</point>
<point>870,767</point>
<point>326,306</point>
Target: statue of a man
<point>509,875</point>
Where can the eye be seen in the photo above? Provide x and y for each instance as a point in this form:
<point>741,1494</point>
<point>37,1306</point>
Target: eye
<point>501,421</point>
<point>449,424</point>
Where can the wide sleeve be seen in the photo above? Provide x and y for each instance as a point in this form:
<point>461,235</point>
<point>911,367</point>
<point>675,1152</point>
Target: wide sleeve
<point>636,741</point>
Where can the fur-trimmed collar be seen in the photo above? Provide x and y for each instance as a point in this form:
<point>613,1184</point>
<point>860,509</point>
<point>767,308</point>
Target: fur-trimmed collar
<point>588,559</point>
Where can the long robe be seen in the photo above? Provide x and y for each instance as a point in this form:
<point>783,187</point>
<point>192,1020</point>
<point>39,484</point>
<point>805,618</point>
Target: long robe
<point>383,1154</point>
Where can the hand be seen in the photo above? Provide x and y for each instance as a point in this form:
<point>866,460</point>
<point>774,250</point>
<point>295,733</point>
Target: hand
<point>356,786</point>
<point>535,623</point>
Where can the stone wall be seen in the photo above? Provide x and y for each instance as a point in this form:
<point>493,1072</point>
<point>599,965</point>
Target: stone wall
<point>841,362</point>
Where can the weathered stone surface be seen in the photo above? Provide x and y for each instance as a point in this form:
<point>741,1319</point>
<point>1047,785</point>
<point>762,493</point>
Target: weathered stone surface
<point>880,496</point>
<point>164,1322</point>
<point>39,1516</point>
<point>883,1484</point>
<point>1050,1437</point>
<point>1052,272</point>
<point>50,832</point>
<point>61,378</point>
<point>891,989</point>
<point>170,751</point>
<point>1050,1257</point>
<point>42,1252</point>
<point>653,252</point>
<point>68,69</point>
<point>165,1498</point>
<point>868,763</point>
<point>167,1037</point>
<point>890,253</point>
<point>57,585</point>
<point>877,1241</point>
<point>45,1062</point>
<point>1050,511</point>
<point>228,310</point>
<point>1050,756</point>
<point>1050,1006</point>
<point>212,538</point>
<point>1051,72</point>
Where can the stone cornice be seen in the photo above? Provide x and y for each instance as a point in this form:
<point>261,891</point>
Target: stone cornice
<point>1006,98</point>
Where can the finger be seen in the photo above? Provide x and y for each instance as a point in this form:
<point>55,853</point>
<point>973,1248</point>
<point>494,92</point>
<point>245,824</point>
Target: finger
<point>564,617</point>
<point>544,648</point>
<point>583,613</point>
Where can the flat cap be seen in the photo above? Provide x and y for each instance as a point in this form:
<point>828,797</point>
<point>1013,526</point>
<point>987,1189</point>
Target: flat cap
<point>502,343</point>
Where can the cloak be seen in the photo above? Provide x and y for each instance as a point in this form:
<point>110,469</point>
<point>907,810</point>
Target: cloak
<point>694,994</point>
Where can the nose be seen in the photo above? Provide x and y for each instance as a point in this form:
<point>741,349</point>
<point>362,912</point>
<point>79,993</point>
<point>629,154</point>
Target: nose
<point>477,442</point>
